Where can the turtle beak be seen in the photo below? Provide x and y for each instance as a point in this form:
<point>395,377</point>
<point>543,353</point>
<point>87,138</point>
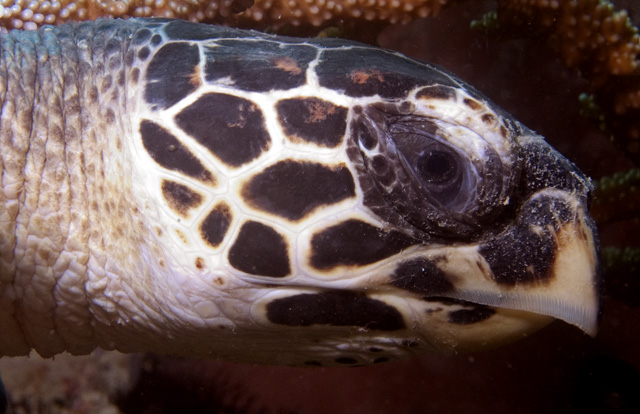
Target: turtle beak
<point>548,261</point>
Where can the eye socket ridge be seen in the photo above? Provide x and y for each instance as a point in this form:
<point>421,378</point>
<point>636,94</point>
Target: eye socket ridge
<point>434,179</point>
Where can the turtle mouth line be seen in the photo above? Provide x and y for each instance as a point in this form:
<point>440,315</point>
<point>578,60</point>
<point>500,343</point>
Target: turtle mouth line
<point>546,263</point>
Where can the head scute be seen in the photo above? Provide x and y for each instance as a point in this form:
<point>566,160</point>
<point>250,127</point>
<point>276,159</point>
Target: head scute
<point>357,189</point>
<point>290,201</point>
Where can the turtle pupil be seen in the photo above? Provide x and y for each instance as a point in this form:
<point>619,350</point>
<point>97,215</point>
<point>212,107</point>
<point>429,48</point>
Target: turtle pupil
<point>437,167</point>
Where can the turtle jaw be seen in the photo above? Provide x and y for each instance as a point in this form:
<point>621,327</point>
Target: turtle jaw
<point>577,276</point>
<point>539,259</point>
<point>544,264</point>
<point>548,260</point>
<point>529,253</point>
<point>480,296</point>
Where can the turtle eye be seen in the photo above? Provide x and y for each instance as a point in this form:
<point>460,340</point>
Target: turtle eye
<point>441,172</point>
<point>435,167</point>
<point>432,178</point>
<point>440,169</point>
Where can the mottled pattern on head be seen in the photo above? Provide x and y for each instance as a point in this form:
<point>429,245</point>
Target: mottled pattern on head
<point>322,202</point>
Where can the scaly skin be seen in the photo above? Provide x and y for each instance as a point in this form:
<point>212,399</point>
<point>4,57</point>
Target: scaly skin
<point>125,224</point>
<point>76,235</point>
<point>69,217</point>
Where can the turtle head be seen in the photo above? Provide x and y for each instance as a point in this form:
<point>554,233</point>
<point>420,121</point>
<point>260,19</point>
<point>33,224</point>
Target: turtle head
<point>469,231</point>
<point>501,216</point>
<point>326,202</point>
<point>420,217</point>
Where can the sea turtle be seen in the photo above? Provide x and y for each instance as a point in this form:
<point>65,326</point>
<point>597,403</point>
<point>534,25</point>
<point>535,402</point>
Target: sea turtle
<point>205,191</point>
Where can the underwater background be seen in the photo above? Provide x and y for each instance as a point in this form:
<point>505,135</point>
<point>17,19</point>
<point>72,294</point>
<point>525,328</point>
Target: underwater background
<point>558,370</point>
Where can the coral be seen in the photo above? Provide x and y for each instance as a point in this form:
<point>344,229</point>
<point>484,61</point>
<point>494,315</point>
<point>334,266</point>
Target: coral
<point>68,384</point>
<point>622,266</point>
<point>28,14</point>
<point>602,43</point>
<point>590,109</point>
<point>616,200</point>
<point>591,34</point>
<point>617,197</point>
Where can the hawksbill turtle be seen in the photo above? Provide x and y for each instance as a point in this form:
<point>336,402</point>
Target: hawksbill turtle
<point>205,191</point>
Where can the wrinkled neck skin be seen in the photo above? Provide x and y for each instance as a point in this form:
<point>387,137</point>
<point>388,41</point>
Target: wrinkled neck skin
<point>61,96</point>
<point>80,261</point>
